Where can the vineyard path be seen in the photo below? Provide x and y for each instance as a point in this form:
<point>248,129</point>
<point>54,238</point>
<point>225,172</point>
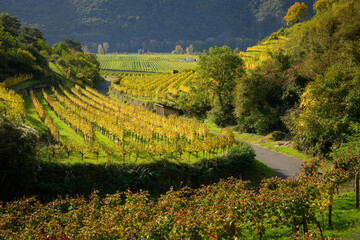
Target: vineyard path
<point>283,165</point>
<point>102,88</point>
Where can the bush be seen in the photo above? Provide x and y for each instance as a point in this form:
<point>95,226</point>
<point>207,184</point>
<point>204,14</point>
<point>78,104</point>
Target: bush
<point>18,162</point>
<point>277,135</point>
<point>157,177</point>
<point>222,117</point>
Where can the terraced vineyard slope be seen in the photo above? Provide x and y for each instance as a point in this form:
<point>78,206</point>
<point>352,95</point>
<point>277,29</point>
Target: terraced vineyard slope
<point>255,55</point>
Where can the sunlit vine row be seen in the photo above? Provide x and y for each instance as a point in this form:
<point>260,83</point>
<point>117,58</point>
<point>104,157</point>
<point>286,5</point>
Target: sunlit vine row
<point>13,103</point>
<point>78,123</point>
<point>154,86</point>
<point>11,81</point>
<point>171,127</point>
<point>105,121</point>
<point>152,134</point>
<point>54,132</point>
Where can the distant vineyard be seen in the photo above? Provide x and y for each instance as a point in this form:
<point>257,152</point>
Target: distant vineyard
<point>155,85</point>
<point>108,73</point>
<point>145,63</point>
<point>132,130</point>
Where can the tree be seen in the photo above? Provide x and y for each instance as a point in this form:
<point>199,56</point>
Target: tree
<point>178,50</point>
<point>263,96</point>
<point>85,49</point>
<point>331,100</point>
<point>11,24</point>
<point>219,67</point>
<point>73,44</point>
<point>296,13</point>
<point>18,162</point>
<point>321,5</point>
<point>197,101</point>
<point>105,47</point>
<point>190,49</point>
<point>100,49</point>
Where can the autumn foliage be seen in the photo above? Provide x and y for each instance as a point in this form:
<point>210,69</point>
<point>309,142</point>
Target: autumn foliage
<point>296,13</point>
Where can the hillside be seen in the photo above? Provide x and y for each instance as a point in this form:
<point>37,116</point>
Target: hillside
<point>153,25</point>
<point>127,173</point>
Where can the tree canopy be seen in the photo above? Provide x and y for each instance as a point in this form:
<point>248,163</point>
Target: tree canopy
<point>220,67</point>
<point>296,13</point>
<point>309,88</point>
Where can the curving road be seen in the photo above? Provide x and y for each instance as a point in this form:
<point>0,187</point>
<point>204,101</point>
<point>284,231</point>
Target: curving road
<point>284,166</point>
<point>102,88</point>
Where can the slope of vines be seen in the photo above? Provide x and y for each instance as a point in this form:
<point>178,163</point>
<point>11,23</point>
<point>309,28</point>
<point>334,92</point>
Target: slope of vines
<point>155,86</point>
<point>132,129</point>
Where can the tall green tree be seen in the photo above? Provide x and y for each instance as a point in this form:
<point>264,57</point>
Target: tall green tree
<point>105,47</point>
<point>100,49</point>
<point>220,67</point>
<point>178,50</point>
<point>73,44</point>
<point>197,102</point>
<point>190,49</point>
<point>264,94</point>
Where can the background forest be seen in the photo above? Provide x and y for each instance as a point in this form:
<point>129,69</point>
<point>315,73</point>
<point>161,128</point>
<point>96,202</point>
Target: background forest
<point>153,25</point>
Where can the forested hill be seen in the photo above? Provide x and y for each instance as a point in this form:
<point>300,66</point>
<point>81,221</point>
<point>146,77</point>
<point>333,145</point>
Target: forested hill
<point>153,25</point>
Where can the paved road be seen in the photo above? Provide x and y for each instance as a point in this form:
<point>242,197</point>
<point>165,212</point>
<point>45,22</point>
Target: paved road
<point>284,166</point>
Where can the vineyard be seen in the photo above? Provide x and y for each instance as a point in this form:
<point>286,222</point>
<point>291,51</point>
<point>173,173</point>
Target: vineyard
<point>255,55</point>
<point>118,74</point>
<point>122,131</point>
<point>144,63</point>
<point>13,104</point>
<point>277,209</point>
<point>155,86</point>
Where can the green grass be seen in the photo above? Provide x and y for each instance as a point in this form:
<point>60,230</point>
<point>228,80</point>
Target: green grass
<point>27,85</point>
<point>272,145</point>
<point>346,221</point>
<point>54,68</point>
<point>122,74</point>
<point>33,120</point>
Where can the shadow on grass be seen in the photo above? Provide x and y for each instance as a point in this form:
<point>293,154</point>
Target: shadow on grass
<point>157,177</point>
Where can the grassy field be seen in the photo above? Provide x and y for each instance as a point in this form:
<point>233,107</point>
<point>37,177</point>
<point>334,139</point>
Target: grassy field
<point>144,63</point>
<point>346,220</point>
